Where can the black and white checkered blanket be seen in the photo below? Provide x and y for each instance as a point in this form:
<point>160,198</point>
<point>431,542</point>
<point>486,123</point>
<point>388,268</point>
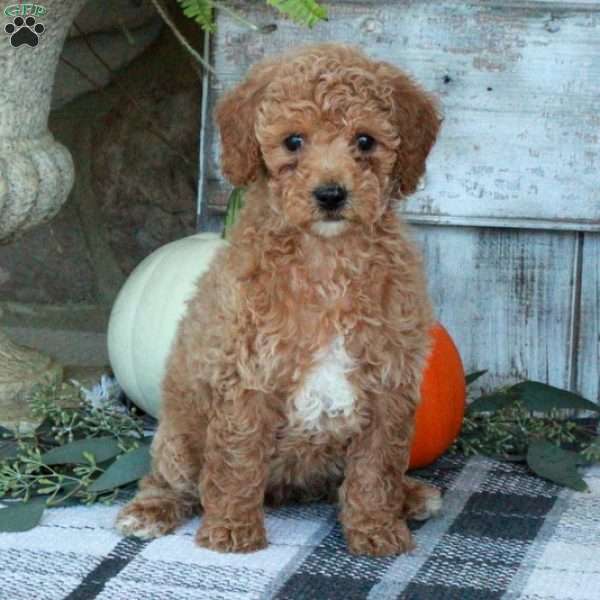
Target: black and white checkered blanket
<point>503,533</point>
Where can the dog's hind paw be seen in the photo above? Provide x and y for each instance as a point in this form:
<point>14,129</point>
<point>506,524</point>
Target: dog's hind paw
<point>423,501</point>
<point>149,518</point>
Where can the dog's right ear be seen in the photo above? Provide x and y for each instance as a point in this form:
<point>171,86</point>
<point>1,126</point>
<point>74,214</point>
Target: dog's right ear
<point>241,159</point>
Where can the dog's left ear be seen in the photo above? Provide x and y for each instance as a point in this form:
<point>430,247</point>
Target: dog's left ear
<point>241,158</point>
<point>417,117</point>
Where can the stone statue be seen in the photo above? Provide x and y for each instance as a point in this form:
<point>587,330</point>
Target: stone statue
<point>36,172</point>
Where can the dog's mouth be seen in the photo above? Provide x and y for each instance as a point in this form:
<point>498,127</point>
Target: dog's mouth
<point>328,228</point>
<point>332,217</point>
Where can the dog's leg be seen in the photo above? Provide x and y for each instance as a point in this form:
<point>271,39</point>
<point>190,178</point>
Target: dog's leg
<point>239,445</point>
<point>373,495</point>
<point>169,495</point>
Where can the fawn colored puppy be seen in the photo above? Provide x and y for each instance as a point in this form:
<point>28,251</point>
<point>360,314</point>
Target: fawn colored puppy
<point>296,370</point>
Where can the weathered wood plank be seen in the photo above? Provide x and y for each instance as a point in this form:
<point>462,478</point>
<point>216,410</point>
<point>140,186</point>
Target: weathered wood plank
<point>555,5</point>
<point>520,90</point>
<point>505,296</point>
<point>588,364</point>
<point>523,154</point>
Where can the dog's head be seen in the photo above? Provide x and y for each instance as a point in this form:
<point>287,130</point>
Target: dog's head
<point>336,135</point>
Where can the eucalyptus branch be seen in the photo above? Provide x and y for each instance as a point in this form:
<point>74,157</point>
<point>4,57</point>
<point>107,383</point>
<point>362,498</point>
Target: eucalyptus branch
<point>87,448</point>
<point>66,497</point>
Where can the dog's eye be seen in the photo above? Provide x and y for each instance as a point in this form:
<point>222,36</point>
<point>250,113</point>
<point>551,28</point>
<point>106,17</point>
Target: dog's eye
<point>365,142</point>
<point>293,142</point>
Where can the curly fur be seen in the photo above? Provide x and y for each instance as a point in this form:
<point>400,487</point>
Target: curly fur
<point>296,371</point>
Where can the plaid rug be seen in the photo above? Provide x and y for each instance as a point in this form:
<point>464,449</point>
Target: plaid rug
<point>502,534</point>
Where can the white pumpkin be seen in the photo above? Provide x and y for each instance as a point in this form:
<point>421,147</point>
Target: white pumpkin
<point>144,318</point>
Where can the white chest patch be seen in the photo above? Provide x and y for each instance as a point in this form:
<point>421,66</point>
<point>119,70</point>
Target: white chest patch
<point>327,393</point>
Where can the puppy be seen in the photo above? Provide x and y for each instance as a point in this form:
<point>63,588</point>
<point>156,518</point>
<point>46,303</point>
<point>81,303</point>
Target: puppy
<point>296,371</point>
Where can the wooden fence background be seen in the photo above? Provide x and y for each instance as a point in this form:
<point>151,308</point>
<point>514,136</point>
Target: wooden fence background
<point>509,214</point>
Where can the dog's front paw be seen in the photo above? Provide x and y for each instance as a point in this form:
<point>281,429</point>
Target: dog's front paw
<point>380,539</point>
<point>229,537</point>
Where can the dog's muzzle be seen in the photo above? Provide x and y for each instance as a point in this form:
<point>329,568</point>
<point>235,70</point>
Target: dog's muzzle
<point>330,198</point>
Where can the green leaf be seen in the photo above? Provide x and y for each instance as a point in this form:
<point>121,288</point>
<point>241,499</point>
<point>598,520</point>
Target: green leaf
<point>129,467</point>
<point>102,448</point>
<point>44,427</point>
<point>6,433</point>
<point>8,450</point>
<point>491,403</point>
<point>200,11</point>
<point>44,432</point>
<point>65,497</point>
<point>554,463</point>
<point>471,377</point>
<point>582,461</point>
<point>22,516</point>
<point>234,205</point>
<point>304,12</point>
<point>541,397</point>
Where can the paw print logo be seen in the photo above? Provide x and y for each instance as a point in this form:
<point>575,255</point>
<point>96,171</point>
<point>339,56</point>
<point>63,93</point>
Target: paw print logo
<point>24,31</point>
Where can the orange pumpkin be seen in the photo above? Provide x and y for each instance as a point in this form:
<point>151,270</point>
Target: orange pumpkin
<point>443,397</point>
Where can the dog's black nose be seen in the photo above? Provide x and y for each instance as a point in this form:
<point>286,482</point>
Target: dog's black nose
<point>330,197</point>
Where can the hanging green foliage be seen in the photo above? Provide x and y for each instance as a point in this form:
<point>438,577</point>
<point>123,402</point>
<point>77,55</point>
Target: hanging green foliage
<point>303,12</point>
<point>200,11</point>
